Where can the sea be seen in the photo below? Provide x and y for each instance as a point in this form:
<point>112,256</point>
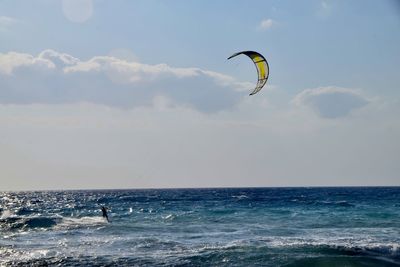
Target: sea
<point>335,226</point>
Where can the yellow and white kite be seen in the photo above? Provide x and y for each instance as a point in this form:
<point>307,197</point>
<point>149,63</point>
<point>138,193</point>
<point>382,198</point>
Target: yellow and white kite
<point>261,66</point>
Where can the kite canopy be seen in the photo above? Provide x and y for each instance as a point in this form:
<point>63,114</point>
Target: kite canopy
<point>261,66</point>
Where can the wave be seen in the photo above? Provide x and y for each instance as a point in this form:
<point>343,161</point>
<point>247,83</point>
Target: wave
<point>6,214</point>
<point>40,222</point>
<point>339,203</point>
<point>348,247</point>
<point>361,248</point>
<point>240,197</point>
<point>235,253</point>
<point>338,261</point>
<point>13,222</point>
<point>387,250</point>
<point>169,217</point>
<point>84,261</point>
<point>249,253</point>
<point>70,222</point>
<point>25,211</point>
<point>24,223</point>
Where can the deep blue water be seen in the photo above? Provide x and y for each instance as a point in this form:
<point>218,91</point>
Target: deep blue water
<point>202,227</point>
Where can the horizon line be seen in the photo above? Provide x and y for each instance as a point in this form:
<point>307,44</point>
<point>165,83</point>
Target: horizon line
<point>202,188</point>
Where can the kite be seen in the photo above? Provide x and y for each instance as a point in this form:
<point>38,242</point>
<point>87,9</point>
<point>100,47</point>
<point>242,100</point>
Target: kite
<point>261,65</point>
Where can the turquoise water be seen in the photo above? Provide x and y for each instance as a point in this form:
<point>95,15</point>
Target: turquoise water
<point>202,227</point>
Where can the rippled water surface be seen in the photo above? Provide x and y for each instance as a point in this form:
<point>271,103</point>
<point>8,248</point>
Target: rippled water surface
<point>202,227</point>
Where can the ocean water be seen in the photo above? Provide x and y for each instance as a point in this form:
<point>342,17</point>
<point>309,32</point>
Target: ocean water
<point>202,227</point>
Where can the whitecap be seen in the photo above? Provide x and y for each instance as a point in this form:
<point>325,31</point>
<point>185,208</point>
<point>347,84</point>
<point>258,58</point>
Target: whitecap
<point>169,216</point>
<point>83,221</point>
<point>6,214</point>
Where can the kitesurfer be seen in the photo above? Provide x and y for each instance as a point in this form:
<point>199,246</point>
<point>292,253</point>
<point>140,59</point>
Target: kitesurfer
<point>104,210</point>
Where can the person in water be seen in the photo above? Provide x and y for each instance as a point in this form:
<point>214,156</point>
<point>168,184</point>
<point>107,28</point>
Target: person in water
<point>105,215</point>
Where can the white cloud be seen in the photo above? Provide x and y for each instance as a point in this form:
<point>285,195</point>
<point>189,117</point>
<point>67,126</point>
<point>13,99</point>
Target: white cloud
<point>59,59</point>
<point>6,23</point>
<point>53,77</point>
<point>266,24</point>
<point>12,60</point>
<point>331,102</point>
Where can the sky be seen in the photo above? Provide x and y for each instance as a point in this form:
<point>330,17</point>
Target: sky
<point>99,94</point>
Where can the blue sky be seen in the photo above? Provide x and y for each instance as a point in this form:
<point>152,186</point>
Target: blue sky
<point>140,94</point>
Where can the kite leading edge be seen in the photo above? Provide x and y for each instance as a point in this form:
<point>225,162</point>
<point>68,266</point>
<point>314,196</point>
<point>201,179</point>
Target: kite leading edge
<point>261,65</point>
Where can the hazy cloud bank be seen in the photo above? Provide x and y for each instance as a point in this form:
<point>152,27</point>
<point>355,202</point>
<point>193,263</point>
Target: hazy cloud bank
<point>331,102</point>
